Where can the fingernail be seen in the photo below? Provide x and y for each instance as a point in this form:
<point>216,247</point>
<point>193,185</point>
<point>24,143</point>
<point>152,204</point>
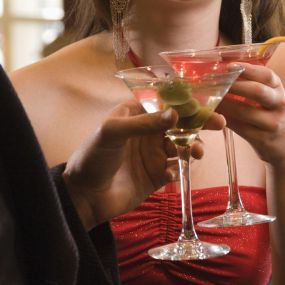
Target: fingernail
<point>166,115</point>
<point>235,67</point>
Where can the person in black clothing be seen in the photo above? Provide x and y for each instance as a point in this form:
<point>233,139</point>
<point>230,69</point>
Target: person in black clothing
<point>54,223</point>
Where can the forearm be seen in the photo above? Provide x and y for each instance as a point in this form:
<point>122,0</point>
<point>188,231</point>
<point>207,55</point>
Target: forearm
<point>94,246</point>
<point>275,177</point>
<point>96,206</point>
<point>77,210</point>
<point>83,210</point>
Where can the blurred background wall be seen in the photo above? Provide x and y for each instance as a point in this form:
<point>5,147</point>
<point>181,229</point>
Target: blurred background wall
<point>31,29</point>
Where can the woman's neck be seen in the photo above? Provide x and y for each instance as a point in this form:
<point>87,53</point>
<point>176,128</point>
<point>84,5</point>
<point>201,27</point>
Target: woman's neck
<point>159,25</point>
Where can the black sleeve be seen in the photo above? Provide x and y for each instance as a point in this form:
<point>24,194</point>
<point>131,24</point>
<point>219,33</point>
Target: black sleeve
<point>45,249</point>
<point>96,248</point>
<point>49,240</point>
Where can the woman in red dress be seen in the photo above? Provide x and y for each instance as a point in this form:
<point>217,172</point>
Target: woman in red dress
<point>68,87</point>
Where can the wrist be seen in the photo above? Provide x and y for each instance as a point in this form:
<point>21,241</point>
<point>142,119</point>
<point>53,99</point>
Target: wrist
<point>81,204</point>
<point>277,167</point>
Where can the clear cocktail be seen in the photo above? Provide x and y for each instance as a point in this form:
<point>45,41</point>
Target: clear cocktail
<point>194,98</point>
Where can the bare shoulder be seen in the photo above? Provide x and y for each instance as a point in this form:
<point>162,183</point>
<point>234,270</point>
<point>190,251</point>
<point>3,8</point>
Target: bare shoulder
<point>64,64</point>
<point>68,93</point>
<point>72,70</point>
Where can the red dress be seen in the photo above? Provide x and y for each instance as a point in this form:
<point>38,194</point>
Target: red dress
<point>157,221</point>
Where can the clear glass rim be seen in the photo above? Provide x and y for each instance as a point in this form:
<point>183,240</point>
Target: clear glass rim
<point>237,69</point>
<point>146,67</point>
<point>217,48</point>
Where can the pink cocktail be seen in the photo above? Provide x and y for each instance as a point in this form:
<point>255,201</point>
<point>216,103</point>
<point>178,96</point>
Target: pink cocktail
<point>201,62</point>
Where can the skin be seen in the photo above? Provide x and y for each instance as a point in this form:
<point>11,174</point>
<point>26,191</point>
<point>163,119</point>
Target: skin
<point>124,161</point>
<point>73,90</point>
<point>264,128</point>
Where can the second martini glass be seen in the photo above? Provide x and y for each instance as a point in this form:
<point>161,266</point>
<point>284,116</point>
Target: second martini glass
<point>194,98</point>
<point>197,62</point>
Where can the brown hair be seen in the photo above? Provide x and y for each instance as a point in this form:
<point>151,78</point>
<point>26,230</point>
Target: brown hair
<point>267,19</point>
<point>91,17</point>
<point>94,16</point>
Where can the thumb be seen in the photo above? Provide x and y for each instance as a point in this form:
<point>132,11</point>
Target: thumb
<point>117,130</point>
<point>215,122</point>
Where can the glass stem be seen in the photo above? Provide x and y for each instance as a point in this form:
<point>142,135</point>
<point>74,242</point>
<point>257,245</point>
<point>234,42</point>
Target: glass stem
<point>234,200</point>
<point>188,230</point>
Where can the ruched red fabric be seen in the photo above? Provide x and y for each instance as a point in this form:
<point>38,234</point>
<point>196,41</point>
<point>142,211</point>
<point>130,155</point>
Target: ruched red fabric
<point>157,221</point>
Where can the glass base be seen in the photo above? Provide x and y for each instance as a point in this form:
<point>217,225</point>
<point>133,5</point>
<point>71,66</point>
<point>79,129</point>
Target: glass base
<point>189,250</point>
<point>235,218</point>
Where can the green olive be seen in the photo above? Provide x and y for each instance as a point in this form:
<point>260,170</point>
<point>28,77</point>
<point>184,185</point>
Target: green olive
<point>176,92</point>
<point>195,121</point>
<point>188,109</point>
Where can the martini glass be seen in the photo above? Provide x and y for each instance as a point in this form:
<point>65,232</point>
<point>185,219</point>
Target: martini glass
<point>194,98</point>
<point>197,62</point>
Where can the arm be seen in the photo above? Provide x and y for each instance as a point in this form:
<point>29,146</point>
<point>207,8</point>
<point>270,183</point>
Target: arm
<point>263,126</point>
<point>276,201</point>
<point>95,247</point>
<point>276,184</point>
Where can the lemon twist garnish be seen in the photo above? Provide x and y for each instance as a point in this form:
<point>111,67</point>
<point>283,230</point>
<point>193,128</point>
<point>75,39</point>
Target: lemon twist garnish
<point>268,42</point>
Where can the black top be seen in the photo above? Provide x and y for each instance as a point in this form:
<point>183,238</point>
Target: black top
<point>42,240</point>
